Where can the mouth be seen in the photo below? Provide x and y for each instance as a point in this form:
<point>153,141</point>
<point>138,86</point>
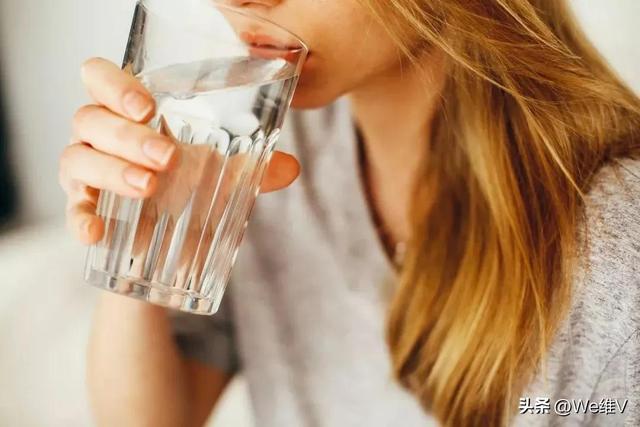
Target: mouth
<point>267,47</point>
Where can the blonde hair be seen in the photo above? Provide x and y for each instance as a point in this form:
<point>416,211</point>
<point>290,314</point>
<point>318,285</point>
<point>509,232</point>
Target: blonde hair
<point>529,113</point>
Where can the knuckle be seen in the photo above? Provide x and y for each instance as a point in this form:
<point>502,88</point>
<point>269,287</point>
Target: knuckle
<point>83,115</point>
<point>63,161</point>
<point>68,158</point>
<point>71,209</point>
<point>123,131</point>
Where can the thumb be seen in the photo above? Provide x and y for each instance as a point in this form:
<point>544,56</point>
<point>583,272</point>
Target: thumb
<point>283,169</point>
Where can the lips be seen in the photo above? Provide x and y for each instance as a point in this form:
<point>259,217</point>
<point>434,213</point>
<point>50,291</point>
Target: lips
<point>267,47</point>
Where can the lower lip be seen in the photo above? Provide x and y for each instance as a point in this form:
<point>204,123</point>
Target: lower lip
<point>273,53</point>
<point>287,53</point>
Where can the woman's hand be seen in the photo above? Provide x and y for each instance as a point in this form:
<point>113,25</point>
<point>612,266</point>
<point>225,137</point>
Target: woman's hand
<point>112,149</point>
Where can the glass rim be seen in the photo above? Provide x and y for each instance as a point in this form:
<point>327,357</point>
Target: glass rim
<point>303,48</point>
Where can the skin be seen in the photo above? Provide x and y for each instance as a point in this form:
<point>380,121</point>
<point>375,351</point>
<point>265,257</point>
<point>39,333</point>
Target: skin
<point>133,363</point>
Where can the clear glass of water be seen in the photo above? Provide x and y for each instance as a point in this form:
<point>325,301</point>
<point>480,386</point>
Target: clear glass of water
<point>223,80</point>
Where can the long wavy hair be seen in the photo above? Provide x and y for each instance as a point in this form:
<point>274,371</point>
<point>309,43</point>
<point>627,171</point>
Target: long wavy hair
<point>529,113</point>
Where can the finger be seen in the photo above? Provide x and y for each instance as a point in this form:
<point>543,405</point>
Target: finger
<point>112,134</point>
<point>99,170</point>
<point>283,169</point>
<point>83,222</point>
<point>117,90</point>
<point>78,191</point>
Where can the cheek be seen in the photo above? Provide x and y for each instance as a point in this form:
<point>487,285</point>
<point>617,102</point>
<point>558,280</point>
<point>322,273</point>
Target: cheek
<point>348,48</point>
<point>343,69</point>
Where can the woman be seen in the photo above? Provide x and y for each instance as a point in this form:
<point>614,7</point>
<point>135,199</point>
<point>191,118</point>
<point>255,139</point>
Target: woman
<point>472,198</point>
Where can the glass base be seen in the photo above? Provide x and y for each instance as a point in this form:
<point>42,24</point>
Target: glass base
<point>154,293</point>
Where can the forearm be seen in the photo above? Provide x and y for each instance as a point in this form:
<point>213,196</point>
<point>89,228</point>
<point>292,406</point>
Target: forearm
<point>135,374</point>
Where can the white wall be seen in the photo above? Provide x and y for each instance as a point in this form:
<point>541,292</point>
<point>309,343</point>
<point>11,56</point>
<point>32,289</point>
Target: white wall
<point>614,27</point>
<point>42,44</point>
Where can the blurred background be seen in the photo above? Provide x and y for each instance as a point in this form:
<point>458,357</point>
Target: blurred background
<point>45,309</point>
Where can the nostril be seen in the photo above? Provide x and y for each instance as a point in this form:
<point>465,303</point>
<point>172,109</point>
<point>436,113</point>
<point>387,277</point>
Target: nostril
<point>265,3</point>
<point>249,3</point>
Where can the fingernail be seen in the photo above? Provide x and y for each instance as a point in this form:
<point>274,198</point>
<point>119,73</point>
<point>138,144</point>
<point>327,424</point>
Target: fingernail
<point>158,150</point>
<point>136,105</point>
<point>137,178</point>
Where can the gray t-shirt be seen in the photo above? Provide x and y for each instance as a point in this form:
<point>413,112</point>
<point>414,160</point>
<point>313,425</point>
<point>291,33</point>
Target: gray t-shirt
<point>304,315</point>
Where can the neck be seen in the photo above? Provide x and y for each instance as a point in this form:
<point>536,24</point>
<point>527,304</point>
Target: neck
<point>394,112</point>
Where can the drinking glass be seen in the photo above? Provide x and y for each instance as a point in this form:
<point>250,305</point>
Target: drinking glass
<point>222,80</point>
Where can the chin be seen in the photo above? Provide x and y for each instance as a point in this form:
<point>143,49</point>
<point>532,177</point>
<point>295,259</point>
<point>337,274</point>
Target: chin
<point>306,97</point>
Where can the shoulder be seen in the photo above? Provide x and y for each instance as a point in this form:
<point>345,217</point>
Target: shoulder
<point>610,239</point>
<point>610,229</point>
<point>594,352</point>
<point>605,319</point>
<point>610,232</point>
<point>613,200</point>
